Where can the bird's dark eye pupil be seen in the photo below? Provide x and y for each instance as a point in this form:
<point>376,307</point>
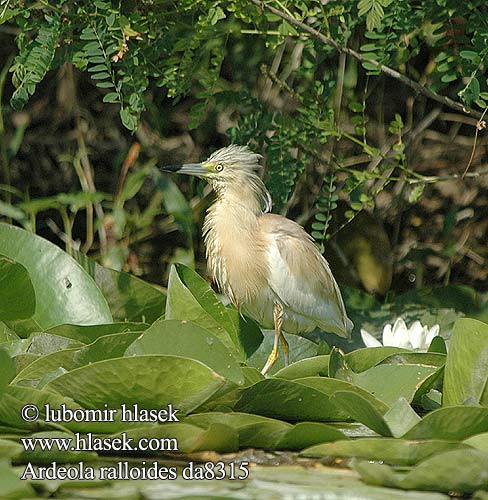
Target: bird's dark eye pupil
<point>219,167</point>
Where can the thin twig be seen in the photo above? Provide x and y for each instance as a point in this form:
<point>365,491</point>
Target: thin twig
<point>479,126</point>
<point>130,159</point>
<point>420,89</point>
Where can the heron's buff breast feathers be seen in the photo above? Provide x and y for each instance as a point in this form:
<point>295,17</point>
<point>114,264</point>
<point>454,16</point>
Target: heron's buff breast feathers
<point>257,259</point>
<point>235,252</point>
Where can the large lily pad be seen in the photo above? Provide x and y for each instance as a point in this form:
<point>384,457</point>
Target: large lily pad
<point>261,432</point>
<point>187,339</point>
<point>288,400</point>
<point>65,292</point>
<point>390,450</point>
<point>317,366</point>
<point>89,333</point>
<point>191,298</point>
<point>150,381</point>
<point>17,296</point>
<point>466,375</point>
<point>129,298</point>
<point>403,380</point>
<point>451,423</point>
<point>460,471</point>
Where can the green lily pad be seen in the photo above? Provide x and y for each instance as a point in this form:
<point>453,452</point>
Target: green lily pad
<point>150,381</point>
<point>417,358</point>
<point>65,292</point>
<point>7,369</point>
<point>17,296</point>
<point>261,432</point>
<point>460,471</point>
<point>306,434</point>
<point>43,365</point>
<point>331,386</point>
<point>187,339</point>
<point>129,297</point>
<point>45,343</point>
<point>361,360</point>
<point>363,410</point>
<point>317,366</point>
<point>105,347</point>
<point>403,380</point>
<point>191,298</point>
<point>288,400</point>
<point>479,441</point>
<point>401,417</point>
<point>451,423</point>
<point>89,333</point>
<point>9,448</point>
<point>466,375</point>
<point>390,450</point>
<point>11,486</point>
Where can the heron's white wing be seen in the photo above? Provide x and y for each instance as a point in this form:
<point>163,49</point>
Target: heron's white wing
<point>300,276</point>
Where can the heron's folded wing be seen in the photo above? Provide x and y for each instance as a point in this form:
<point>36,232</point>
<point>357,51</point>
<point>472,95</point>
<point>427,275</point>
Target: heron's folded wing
<point>300,276</point>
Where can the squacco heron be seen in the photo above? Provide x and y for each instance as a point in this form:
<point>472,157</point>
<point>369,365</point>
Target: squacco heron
<point>266,264</point>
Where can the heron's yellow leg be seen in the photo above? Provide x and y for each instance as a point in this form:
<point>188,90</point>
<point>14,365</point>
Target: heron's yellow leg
<point>286,349</point>
<point>278,320</point>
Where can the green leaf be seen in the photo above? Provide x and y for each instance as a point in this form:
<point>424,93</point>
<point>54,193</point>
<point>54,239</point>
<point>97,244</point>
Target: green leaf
<point>461,471</point>
<point>44,365</point>
<point>363,410</point>
<point>7,369</point>
<point>89,333</point>
<point>403,380</point>
<point>262,432</point>
<point>150,381</point>
<point>191,298</point>
<point>17,296</point>
<point>361,360</point>
<point>466,372</point>
<point>452,423</point>
<point>129,297</point>
<point>389,450</point>
<point>105,347</point>
<point>287,400</point>
<point>401,417</point>
<point>11,486</point>
<point>317,366</point>
<point>65,292</point>
<point>189,340</point>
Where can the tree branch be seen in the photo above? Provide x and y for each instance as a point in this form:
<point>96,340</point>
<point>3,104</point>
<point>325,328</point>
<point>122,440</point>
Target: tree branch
<point>420,89</point>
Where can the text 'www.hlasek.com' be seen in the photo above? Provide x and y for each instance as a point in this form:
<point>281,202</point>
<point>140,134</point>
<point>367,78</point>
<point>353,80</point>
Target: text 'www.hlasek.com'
<point>123,443</point>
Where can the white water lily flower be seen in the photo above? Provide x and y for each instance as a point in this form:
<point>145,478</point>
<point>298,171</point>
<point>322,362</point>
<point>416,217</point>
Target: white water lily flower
<point>417,337</point>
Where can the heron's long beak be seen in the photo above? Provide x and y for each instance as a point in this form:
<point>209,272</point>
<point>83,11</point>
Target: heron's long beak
<point>190,169</point>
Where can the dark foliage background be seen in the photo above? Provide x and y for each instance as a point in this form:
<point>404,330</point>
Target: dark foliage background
<point>367,114</point>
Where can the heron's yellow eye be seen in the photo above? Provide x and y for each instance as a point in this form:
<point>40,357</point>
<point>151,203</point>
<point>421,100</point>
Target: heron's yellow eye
<point>219,167</point>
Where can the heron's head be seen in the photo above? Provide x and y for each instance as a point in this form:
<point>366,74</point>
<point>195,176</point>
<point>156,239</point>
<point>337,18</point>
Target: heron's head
<point>230,169</point>
<point>226,165</point>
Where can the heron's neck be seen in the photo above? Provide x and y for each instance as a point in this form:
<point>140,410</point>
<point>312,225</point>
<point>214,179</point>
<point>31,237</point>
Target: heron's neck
<point>232,243</point>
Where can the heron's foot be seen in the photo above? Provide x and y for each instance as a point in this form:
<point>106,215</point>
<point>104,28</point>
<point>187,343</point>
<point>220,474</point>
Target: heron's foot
<point>271,361</point>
